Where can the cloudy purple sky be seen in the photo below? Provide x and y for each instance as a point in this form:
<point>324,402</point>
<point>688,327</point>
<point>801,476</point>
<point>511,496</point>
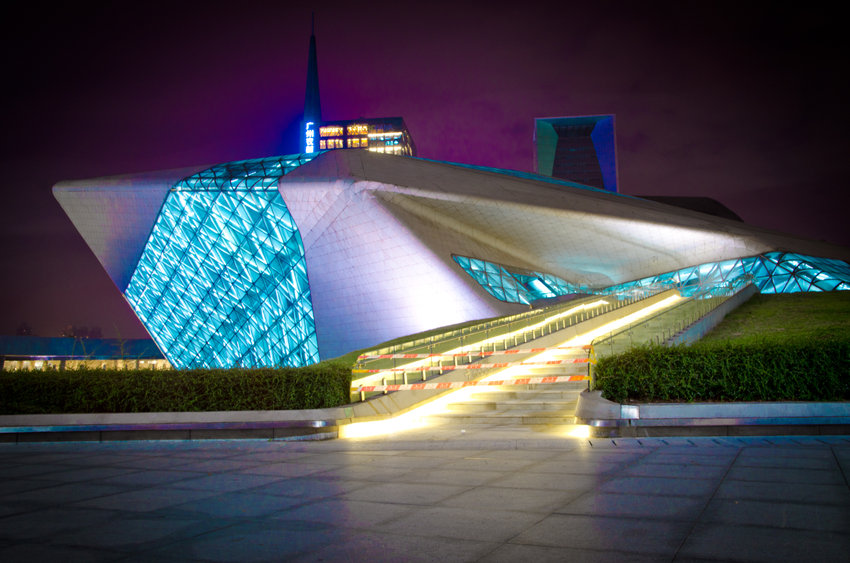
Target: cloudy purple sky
<point>745,102</point>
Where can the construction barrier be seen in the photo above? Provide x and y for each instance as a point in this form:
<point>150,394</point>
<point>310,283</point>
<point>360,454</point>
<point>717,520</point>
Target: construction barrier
<point>479,366</point>
<point>461,384</point>
<point>468,353</point>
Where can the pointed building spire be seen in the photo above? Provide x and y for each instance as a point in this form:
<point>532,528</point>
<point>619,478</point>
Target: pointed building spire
<point>312,105</point>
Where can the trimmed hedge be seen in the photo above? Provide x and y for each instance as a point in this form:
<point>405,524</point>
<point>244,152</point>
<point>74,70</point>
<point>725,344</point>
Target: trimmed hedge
<point>321,385</point>
<point>811,370</point>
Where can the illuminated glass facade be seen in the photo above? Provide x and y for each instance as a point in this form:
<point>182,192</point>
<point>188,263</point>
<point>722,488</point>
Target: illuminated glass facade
<point>515,285</point>
<point>222,280</point>
<point>773,272</point>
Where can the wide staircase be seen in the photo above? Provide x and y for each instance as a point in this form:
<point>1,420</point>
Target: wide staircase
<point>514,402</point>
<point>521,404</point>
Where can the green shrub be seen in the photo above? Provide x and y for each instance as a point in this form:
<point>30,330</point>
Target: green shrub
<point>806,370</point>
<point>107,391</point>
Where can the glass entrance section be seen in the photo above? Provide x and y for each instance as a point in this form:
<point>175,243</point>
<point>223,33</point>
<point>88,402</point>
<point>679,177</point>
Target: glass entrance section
<point>222,280</point>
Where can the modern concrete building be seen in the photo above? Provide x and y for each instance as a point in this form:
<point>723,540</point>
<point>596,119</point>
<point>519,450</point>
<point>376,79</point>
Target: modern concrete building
<point>286,260</point>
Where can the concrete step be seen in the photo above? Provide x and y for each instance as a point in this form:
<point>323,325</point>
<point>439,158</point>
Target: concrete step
<point>510,404</point>
<point>513,392</point>
<point>507,417</point>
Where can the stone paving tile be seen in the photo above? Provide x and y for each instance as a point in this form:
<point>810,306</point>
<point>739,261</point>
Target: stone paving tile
<point>800,492</point>
<point>30,553</point>
<point>502,498</point>
<point>364,473</point>
<point>312,488</point>
<point>145,500</point>
<point>642,506</point>
<point>452,476</point>
<point>376,547</point>
<point>405,493</point>
<point>487,462</point>
<point>277,540</point>
<point>661,486</point>
<point>73,474</point>
<point>512,553</point>
<point>676,470</point>
<point>123,534</point>
<point>284,455</point>
<point>586,467</point>
<point>155,462</point>
<point>809,451</point>
<point>789,475</point>
<point>285,469</point>
<point>445,453</point>
<point>632,535</point>
<point>345,513</point>
<point>688,458</point>
<point>65,493</point>
<point>460,523</point>
<point>215,466</point>
<point>549,481</point>
<point>12,486</point>
<point>101,459</point>
<point>824,517</point>
<point>407,463</point>
<point>750,543</point>
<point>225,482</point>
<point>152,477</point>
<point>43,524</point>
<point>786,462</point>
<point>23,470</point>
<point>237,505</point>
<point>536,455</point>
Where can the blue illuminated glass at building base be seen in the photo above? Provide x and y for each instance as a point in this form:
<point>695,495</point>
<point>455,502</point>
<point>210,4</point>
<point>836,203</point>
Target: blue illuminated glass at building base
<point>774,272</point>
<point>514,285</point>
<point>222,281</point>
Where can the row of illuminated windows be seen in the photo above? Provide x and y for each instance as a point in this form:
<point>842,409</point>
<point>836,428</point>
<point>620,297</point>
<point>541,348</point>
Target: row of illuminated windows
<point>351,143</point>
<point>395,149</point>
<point>336,130</point>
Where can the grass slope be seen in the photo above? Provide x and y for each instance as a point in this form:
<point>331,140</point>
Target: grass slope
<point>784,318</point>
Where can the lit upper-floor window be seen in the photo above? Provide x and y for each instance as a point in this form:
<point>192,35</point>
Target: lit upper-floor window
<point>330,131</point>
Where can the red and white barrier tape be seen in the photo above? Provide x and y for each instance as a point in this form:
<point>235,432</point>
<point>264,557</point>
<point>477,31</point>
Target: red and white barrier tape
<point>479,366</point>
<point>469,353</point>
<point>460,384</point>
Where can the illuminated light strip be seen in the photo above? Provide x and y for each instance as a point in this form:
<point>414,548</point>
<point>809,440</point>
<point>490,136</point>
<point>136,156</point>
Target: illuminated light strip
<point>464,354</point>
<point>461,384</point>
<point>480,366</point>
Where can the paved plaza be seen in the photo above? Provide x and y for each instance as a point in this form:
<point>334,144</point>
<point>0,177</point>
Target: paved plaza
<point>441,494</point>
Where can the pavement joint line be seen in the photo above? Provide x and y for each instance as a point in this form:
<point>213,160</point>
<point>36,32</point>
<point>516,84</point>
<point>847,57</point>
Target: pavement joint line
<point>707,503</point>
<point>840,467</point>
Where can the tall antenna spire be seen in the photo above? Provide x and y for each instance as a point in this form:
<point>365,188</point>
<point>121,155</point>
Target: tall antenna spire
<point>312,104</point>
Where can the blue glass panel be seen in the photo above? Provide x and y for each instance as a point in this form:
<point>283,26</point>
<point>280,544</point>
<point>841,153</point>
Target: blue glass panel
<point>774,272</point>
<point>222,280</point>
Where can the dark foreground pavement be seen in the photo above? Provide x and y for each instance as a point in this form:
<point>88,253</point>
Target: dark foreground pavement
<point>476,496</point>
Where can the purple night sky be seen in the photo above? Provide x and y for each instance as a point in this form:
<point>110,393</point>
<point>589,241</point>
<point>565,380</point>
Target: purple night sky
<point>745,102</point>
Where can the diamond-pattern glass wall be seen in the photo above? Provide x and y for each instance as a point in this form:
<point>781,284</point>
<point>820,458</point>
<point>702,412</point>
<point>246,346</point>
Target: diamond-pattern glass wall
<point>222,280</point>
<point>774,272</point>
<point>514,285</point>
